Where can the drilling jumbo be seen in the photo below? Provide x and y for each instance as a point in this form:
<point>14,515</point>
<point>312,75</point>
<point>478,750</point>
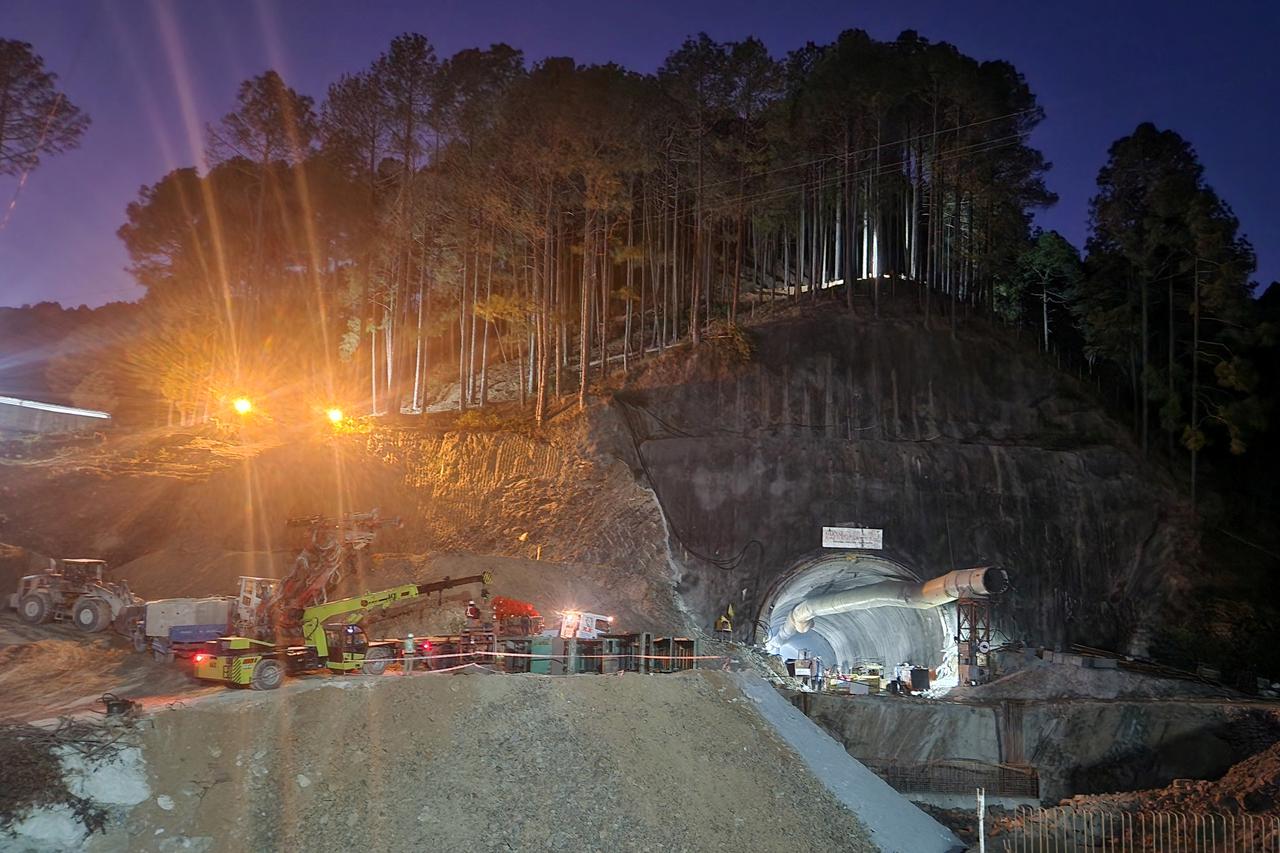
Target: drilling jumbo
<point>332,639</point>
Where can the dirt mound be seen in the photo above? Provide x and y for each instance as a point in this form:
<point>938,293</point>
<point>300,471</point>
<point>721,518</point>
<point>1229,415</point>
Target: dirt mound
<point>446,763</point>
<point>546,585</point>
<point>549,586</point>
<point>185,513</point>
<point>47,670</point>
<point>1250,787</point>
<point>14,563</point>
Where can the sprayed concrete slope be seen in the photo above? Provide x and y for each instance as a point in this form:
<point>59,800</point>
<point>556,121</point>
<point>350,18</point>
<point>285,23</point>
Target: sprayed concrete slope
<point>486,762</point>
<point>893,822</point>
<point>964,449</point>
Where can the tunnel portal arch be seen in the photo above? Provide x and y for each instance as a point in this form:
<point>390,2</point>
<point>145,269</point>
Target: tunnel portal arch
<point>884,635</point>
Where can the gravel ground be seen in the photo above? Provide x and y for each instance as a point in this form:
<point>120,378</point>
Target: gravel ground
<point>47,670</point>
<point>481,763</point>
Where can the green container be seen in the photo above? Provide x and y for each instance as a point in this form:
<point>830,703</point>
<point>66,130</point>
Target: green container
<point>540,646</point>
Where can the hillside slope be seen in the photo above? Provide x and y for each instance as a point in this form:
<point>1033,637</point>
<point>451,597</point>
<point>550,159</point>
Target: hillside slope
<point>963,449</point>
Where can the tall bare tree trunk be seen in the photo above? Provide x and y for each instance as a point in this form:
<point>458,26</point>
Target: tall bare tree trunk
<point>484,349</point>
<point>588,288</point>
<point>1146,352</point>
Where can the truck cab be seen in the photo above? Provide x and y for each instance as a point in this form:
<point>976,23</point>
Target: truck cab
<point>576,624</point>
<point>347,647</point>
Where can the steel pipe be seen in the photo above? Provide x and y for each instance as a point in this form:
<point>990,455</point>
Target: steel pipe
<point>961,583</point>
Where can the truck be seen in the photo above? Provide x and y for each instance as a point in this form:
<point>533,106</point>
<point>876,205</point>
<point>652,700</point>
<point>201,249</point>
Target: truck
<point>179,627</point>
<point>76,590</point>
<point>263,609</point>
<point>575,624</point>
<point>332,639</point>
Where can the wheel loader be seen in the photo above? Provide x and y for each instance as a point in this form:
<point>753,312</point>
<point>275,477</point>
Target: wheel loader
<point>75,590</point>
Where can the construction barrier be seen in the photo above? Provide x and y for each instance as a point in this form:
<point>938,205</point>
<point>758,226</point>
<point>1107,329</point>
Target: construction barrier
<point>1071,829</point>
<point>674,659</point>
<point>547,655</point>
<point>957,776</point>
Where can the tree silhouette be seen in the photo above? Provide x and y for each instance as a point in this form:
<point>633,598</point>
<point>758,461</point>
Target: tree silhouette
<point>35,118</point>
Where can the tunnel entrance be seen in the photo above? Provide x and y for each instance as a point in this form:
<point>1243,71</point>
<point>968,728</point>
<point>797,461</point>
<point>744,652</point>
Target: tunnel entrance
<point>881,635</point>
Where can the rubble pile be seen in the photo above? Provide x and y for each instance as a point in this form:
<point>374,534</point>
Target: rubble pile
<point>1250,787</point>
<point>480,762</point>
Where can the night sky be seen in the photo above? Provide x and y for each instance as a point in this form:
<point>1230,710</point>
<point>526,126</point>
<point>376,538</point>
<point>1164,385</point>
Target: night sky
<point>152,74</point>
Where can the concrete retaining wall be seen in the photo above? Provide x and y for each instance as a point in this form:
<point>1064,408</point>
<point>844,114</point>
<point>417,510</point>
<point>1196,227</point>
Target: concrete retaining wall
<point>1077,746</point>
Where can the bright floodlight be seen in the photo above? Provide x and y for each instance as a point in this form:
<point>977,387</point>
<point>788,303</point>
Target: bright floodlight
<point>242,405</point>
<point>335,415</point>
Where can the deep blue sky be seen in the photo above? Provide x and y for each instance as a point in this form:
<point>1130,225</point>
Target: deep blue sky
<point>148,71</point>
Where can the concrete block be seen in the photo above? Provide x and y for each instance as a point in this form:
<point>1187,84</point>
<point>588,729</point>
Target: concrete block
<point>1105,663</point>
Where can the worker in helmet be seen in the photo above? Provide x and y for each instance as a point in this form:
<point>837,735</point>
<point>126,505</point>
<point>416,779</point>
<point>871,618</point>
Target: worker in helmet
<point>473,615</point>
<point>409,653</point>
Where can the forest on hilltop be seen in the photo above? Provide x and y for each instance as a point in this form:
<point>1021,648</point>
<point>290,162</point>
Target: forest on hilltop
<point>430,217</point>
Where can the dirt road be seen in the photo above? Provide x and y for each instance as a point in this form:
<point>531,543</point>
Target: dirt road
<point>50,670</point>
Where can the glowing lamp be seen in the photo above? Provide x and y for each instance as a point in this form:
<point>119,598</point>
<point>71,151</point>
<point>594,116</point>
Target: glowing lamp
<point>242,405</point>
<point>334,415</point>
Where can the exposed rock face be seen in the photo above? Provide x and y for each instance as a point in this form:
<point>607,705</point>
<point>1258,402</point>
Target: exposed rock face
<point>551,498</point>
<point>966,451</point>
<point>178,514</point>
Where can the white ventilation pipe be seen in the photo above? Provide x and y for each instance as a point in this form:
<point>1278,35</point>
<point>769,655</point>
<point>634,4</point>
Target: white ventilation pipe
<point>961,583</point>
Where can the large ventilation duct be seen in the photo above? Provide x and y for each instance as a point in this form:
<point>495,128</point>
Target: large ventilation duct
<point>961,583</point>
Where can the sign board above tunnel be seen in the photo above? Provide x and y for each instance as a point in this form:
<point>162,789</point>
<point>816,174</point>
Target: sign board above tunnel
<point>853,537</point>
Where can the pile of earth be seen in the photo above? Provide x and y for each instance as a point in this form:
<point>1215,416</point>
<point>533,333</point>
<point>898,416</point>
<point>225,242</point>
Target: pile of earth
<point>185,513</point>
<point>48,670</point>
<point>479,762</point>
<point>15,562</point>
<point>1248,791</point>
<point>1250,787</point>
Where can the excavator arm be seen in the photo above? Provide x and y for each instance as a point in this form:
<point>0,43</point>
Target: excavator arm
<point>331,544</point>
<point>357,608</point>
